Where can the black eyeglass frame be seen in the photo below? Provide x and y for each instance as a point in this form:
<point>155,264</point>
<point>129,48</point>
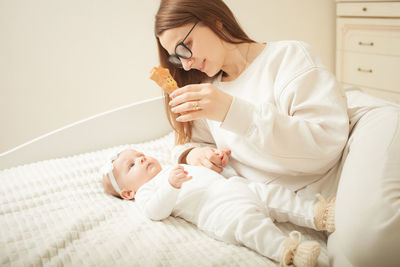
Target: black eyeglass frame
<point>174,59</point>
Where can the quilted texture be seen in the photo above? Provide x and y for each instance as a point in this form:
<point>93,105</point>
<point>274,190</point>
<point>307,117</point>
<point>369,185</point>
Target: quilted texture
<point>55,213</point>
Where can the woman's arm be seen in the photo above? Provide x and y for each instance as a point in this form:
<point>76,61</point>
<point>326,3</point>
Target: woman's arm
<point>304,131</point>
<point>301,128</point>
<point>201,137</point>
<point>202,151</point>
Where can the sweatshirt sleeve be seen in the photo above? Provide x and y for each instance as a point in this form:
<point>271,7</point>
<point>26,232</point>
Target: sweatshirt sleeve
<point>305,129</point>
<point>201,136</point>
<point>157,202</point>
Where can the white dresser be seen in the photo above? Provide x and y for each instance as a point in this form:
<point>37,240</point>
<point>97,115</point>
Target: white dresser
<point>368,46</point>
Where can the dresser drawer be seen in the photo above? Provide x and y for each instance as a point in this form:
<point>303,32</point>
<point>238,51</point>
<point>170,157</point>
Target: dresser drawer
<point>376,71</point>
<point>368,39</point>
<point>370,9</point>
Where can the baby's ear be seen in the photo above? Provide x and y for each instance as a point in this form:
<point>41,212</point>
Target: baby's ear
<point>127,194</point>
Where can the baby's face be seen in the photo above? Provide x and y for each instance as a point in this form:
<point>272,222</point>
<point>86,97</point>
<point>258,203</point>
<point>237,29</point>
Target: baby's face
<point>132,169</point>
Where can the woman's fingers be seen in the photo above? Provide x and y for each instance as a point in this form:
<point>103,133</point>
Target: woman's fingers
<point>210,100</point>
<point>190,116</point>
<point>225,151</point>
<point>221,158</point>
<point>205,156</point>
<point>185,89</point>
<point>224,160</point>
<point>208,164</point>
<point>216,158</point>
<point>187,107</point>
<point>187,100</point>
<point>186,97</point>
<point>223,154</point>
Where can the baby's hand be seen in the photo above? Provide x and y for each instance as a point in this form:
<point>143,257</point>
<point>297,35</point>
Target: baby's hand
<point>178,176</point>
<point>223,155</point>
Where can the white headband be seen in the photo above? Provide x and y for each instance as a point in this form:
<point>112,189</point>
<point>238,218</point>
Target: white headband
<point>109,166</point>
<point>108,169</point>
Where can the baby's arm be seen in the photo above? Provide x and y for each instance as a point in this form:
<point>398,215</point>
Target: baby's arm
<point>157,202</point>
<point>178,176</point>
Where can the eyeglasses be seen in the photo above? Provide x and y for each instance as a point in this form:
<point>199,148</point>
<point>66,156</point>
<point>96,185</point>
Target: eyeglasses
<point>181,51</point>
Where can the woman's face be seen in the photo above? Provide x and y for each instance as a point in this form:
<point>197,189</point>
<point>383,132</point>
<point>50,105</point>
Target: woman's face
<point>207,48</point>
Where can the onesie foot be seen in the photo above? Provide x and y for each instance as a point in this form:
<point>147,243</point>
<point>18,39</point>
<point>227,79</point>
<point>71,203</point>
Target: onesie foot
<point>297,253</point>
<point>324,214</point>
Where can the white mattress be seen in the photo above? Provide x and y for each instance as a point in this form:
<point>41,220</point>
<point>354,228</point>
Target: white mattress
<point>55,213</point>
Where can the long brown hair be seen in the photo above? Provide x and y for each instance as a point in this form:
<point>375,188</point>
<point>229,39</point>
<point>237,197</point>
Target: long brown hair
<point>176,13</point>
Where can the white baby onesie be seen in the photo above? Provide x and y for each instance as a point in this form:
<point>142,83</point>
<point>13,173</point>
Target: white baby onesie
<point>230,210</point>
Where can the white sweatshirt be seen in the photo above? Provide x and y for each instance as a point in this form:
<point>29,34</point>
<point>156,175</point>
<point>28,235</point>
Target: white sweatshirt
<point>288,121</point>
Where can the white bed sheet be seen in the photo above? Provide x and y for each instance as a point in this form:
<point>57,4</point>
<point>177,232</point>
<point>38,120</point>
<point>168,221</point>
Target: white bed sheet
<point>55,213</point>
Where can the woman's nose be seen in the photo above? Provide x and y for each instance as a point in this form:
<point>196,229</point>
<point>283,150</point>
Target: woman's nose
<point>187,63</point>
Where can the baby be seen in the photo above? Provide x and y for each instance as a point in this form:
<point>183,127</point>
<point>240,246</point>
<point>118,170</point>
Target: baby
<point>232,210</point>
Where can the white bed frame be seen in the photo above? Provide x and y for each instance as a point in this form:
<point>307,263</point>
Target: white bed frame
<point>122,125</point>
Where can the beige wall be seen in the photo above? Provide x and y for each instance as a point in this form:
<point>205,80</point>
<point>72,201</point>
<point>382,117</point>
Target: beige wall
<point>62,61</point>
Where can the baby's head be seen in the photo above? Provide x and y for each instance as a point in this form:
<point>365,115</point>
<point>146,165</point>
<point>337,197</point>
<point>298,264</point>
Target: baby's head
<point>127,171</point>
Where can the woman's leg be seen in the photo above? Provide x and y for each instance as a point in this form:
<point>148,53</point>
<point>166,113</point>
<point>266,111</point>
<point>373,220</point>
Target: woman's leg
<point>368,199</point>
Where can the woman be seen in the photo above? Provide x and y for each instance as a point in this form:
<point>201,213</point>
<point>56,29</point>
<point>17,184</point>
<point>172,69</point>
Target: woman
<point>273,110</point>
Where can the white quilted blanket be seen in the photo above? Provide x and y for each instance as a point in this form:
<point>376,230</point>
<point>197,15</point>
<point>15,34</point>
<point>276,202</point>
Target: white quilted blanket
<point>54,213</point>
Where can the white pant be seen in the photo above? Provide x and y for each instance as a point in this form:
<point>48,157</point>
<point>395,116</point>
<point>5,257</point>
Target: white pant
<point>237,212</point>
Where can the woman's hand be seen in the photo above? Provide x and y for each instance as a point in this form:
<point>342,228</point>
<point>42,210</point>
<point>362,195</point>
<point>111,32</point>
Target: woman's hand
<point>178,176</point>
<point>197,101</point>
<point>209,157</point>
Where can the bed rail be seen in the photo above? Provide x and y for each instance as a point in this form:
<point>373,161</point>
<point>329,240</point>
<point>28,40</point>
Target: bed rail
<point>133,123</point>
